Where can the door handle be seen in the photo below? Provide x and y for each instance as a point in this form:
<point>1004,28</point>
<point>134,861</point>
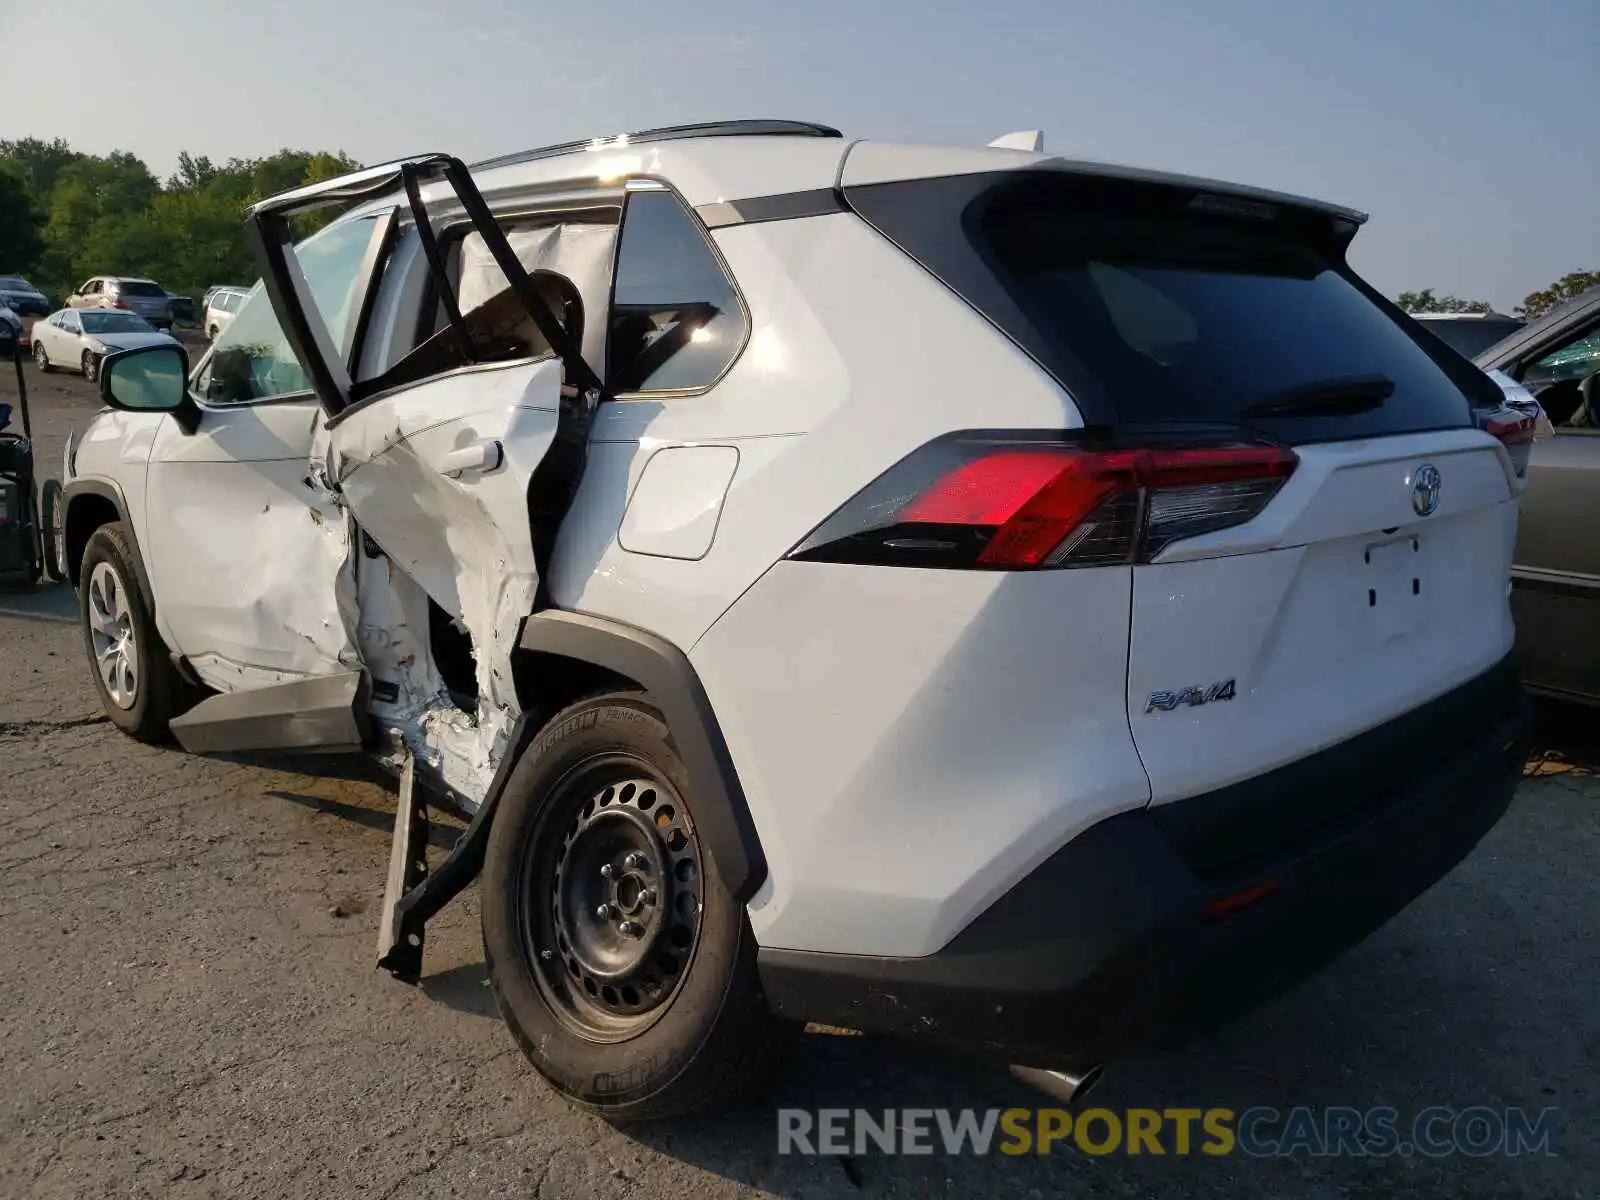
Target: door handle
<point>475,459</point>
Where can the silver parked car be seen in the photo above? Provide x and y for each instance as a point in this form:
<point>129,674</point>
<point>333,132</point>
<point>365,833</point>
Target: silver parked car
<point>1556,577</point>
<point>78,339</point>
<point>142,296</point>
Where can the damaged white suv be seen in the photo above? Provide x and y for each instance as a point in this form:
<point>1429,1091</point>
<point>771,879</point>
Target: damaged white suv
<point>1036,607</point>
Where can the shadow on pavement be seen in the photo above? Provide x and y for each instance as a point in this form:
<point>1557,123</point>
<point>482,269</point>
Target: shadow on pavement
<point>440,837</point>
<point>55,602</point>
<point>464,989</point>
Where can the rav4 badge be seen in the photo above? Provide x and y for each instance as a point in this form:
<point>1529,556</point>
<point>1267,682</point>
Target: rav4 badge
<point>1189,697</point>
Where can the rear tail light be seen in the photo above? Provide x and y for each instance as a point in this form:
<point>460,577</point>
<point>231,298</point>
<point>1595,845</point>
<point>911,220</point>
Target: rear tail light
<point>1515,430</point>
<point>1511,427</point>
<point>986,501</point>
<point>119,302</point>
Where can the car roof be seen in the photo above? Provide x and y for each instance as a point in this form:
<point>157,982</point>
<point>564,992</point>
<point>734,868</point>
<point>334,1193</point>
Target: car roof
<point>728,161</point>
<point>1511,347</point>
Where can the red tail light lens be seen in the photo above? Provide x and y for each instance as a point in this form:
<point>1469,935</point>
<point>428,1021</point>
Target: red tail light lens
<point>1007,504</point>
<point>1511,427</point>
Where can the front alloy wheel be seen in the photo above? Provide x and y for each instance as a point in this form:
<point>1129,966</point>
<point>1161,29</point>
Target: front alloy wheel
<point>112,636</point>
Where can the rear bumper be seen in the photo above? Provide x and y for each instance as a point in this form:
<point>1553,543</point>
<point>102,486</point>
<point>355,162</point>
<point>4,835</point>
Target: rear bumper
<point>1116,942</point>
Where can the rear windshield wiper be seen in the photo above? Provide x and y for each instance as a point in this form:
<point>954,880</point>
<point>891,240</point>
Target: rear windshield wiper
<point>1342,395</point>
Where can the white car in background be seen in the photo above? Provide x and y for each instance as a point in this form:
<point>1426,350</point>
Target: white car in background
<point>220,308</point>
<point>78,338</point>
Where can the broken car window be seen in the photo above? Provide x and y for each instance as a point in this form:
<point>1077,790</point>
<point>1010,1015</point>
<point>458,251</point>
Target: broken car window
<point>252,360</point>
<point>676,319</point>
<point>568,257</point>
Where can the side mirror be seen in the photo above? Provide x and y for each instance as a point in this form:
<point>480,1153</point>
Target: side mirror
<point>150,379</point>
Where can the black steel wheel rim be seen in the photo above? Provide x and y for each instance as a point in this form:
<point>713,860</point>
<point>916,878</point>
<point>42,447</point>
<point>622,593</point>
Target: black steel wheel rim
<point>611,883</point>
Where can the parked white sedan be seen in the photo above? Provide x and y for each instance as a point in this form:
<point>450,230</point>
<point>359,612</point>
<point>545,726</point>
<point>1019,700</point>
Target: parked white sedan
<point>78,338</point>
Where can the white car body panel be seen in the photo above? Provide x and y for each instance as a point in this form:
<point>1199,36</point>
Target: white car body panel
<point>257,609</point>
<point>868,710</point>
<point>674,510</point>
<point>810,429</point>
<point>1336,610</point>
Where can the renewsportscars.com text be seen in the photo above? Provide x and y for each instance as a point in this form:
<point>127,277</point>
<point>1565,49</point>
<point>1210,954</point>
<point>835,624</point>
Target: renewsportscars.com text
<point>1434,1132</point>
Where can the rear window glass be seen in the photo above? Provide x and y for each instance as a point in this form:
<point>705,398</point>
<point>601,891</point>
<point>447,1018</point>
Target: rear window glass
<point>134,287</point>
<point>1153,307</point>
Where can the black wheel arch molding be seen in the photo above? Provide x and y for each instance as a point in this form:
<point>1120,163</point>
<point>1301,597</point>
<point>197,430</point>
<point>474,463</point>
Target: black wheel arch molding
<point>79,531</point>
<point>664,671</point>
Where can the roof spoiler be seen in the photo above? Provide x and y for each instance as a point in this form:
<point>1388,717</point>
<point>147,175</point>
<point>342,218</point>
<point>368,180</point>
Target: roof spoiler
<point>1031,140</point>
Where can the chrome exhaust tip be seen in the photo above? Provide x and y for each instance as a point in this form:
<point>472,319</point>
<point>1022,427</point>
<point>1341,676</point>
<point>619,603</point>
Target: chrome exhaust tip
<point>1063,1085</point>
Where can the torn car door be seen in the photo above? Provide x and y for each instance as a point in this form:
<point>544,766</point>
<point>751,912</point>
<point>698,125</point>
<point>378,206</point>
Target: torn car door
<point>437,475</point>
<point>456,466</point>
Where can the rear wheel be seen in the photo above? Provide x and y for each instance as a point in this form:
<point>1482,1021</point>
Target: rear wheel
<point>624,967</point>
<point>41,357</point>
<point>139,687</point>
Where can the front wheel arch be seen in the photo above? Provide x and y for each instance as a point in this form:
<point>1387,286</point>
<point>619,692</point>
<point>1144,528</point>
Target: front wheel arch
<point>87,505</point>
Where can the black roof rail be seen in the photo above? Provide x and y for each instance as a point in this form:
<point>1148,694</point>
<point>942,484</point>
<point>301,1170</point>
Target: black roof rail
<point>671,133</point>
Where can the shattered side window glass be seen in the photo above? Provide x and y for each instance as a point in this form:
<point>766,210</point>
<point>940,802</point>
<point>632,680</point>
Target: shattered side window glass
<point>252,359</point>
<point>676,319</point>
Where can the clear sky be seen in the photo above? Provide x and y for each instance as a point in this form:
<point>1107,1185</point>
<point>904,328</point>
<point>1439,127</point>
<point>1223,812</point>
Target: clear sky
<point>1469,130</point>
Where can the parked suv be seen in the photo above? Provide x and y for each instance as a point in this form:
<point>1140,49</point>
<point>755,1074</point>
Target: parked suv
<point>142,296</point>
<point>1035,607</point>
<point>221,305</point>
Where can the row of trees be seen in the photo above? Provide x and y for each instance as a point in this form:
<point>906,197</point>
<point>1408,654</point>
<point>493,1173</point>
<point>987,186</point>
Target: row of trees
<point>65,216</point>
<point>1535,304</point>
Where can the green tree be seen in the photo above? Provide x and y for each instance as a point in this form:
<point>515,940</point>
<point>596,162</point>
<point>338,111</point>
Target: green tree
<point>192,173</point>
<point>20,239</point>
<point>117,188</point>
<point>1573,283</point>
<point>1426,301</point>
<point>65,216</point>
<point>39,162</point>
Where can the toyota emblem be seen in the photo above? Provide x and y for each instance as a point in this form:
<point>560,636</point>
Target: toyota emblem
<point>1425,483</point>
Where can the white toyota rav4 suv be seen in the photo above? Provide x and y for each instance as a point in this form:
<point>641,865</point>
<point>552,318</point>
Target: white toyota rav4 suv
<point>1033,606</point>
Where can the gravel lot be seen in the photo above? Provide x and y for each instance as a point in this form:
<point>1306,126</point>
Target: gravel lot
<point>189,1005</point>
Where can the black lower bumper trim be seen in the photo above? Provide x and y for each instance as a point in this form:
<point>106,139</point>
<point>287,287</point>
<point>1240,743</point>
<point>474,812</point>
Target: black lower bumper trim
<point>1114,943</point>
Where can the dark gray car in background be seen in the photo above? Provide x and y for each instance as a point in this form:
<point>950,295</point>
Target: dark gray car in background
<point>1556,578</point>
